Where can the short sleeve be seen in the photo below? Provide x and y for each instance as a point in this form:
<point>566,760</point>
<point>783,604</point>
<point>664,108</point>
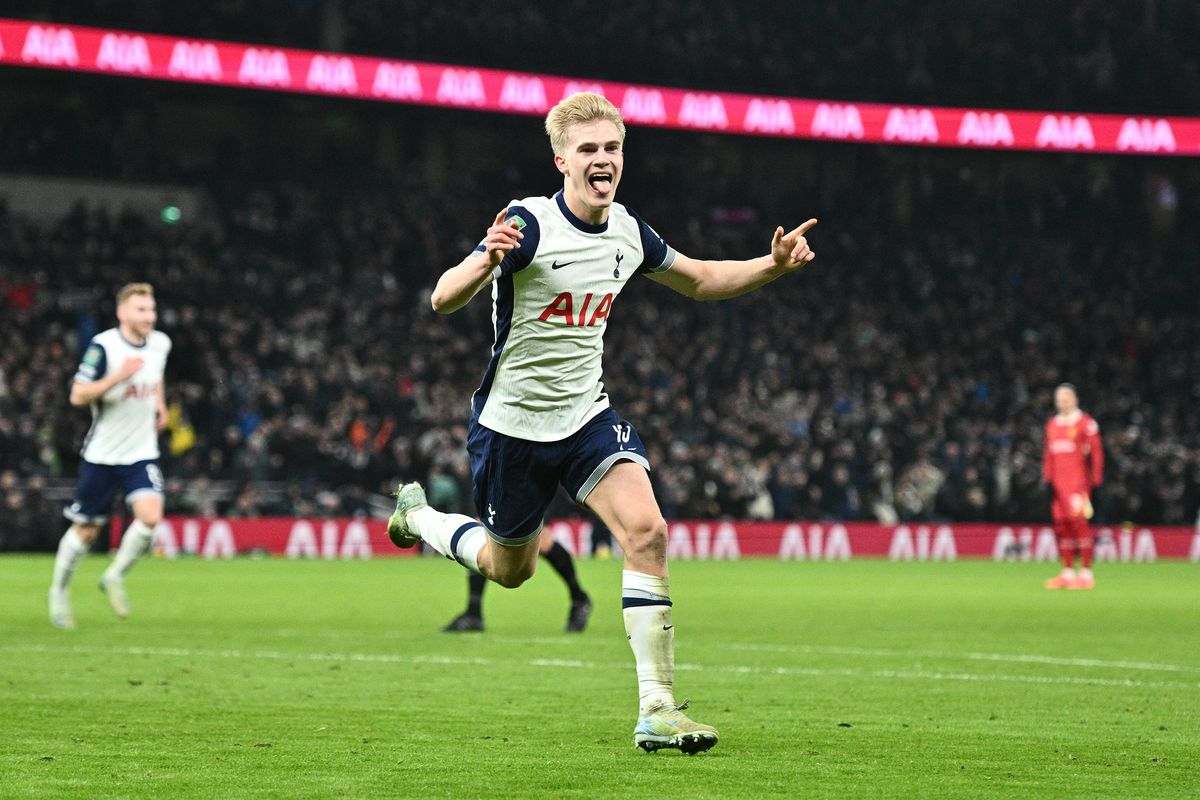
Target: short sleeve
<point>522,257</point>
<point>94,363</point>
<point>657,255</point>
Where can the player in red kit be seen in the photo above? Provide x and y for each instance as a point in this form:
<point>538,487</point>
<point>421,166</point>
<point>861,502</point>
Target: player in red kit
<point>1073,465</point>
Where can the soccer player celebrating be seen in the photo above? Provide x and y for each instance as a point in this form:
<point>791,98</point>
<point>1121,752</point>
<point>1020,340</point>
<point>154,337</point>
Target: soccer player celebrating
<point>560,559</point>
<point>1073,465</point>
<point>121,378</point>
<point>541,416</point>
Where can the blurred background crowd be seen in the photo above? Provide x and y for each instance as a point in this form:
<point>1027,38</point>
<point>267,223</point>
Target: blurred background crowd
<point>906,375</point>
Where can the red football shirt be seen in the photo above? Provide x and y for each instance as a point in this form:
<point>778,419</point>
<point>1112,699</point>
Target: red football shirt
<point>1074,456</point>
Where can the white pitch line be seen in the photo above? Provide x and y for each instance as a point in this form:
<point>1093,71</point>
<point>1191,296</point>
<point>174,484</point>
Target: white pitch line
<point>1019,658</point>
<point>557,663</point>
<point>837,650</point>
<point>841,650</point>
<point>1010,658</point>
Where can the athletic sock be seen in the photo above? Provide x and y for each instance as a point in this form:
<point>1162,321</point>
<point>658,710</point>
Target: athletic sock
<point>560,558</point>
<point>1066,544</point>
<point>1087,545</point>
<point>646,604</point>
<point>455,536</point>
<point>475,585</point>
<point>134,544</point>
<point>70,549</point>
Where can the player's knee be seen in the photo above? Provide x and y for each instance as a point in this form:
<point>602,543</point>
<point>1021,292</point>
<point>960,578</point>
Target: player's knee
<point>648,540</point>
<point>87,533</point>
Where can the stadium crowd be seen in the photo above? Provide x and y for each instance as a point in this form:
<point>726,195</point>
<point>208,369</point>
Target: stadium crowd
<point>905,376</point>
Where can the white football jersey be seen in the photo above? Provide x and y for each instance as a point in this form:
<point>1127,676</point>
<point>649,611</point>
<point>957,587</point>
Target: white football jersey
<point>123,430</point>
<point>551,299</point>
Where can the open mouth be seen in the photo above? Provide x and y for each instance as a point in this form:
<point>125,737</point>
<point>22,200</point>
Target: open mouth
<point>601,182</point>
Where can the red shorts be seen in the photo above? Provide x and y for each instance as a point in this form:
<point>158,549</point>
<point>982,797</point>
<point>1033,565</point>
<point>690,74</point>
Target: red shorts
<point>1071,502</point>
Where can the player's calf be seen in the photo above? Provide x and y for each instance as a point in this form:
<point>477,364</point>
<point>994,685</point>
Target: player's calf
<point>460,538</point>
<point>72,547</point>
<point>509,565</point>
<point>645,543</point>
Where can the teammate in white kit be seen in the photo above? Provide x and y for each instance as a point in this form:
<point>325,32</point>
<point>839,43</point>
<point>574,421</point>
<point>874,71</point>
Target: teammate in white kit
<point>121,378</point>
<point>541,416</point>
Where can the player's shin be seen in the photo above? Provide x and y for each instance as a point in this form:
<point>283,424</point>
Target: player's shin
<point>646,604</point>
<point>560,559</point>
<point>71,548</point>
<point>134,544</point>
<point>1065,536</point>
<point>455,536</point>
<point>1087,545</point>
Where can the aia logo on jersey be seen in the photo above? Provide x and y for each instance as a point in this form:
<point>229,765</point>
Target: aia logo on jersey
<point>564,306</point>
<point>139,391</point>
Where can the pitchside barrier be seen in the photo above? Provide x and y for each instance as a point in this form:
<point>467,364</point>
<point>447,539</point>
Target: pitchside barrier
<point>349,538</point>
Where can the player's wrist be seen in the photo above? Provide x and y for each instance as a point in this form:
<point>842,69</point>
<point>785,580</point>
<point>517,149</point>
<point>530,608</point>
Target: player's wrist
<point>481,263</point>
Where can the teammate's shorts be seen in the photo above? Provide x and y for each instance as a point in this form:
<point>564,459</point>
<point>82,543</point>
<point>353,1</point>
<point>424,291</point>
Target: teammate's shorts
<point>98,484</point>
<point>1071,502</point>
<point>515,479</point>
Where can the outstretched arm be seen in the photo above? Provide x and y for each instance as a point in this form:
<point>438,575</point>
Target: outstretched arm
<point>460,283</point>
<point>719,280</point>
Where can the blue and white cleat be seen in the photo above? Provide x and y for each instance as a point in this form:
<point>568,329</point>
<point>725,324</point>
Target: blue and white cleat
<point>409,498</point>
<point>668,726</point>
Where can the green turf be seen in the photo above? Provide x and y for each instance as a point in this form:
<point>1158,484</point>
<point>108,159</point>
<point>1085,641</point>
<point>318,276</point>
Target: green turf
<point>270,678</point>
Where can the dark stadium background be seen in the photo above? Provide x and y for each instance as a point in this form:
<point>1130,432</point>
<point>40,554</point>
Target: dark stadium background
<point>904,377</point>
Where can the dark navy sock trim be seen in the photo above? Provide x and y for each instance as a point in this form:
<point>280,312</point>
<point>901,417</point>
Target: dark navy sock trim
<point>458,534</point>
<point>634,602</point>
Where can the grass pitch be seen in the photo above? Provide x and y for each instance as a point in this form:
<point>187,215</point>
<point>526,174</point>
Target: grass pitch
<point>285,679</point>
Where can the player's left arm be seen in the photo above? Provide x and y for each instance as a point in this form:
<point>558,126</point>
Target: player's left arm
<point>719,280</point>
<point>160,393</point>
<point>160,407</point>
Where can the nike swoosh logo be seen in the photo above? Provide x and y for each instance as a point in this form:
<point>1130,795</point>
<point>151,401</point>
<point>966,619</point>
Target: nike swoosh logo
<point>557,265</point>
<point>667,627</point>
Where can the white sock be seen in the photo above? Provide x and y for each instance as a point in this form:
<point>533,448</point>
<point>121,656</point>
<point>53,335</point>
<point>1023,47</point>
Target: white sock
<point>1068,572</point>
<point>456,536</point>
<point>646,604</point>
<point>70,549</point>
<point>134,544</point>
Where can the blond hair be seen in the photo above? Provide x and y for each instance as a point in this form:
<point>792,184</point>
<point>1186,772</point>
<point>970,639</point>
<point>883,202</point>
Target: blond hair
<point>577,109</point>
<point>131,289</point>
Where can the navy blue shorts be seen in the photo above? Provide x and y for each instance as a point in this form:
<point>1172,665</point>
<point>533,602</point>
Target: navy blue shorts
<point>98,484</point>
<point>515,479</point>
